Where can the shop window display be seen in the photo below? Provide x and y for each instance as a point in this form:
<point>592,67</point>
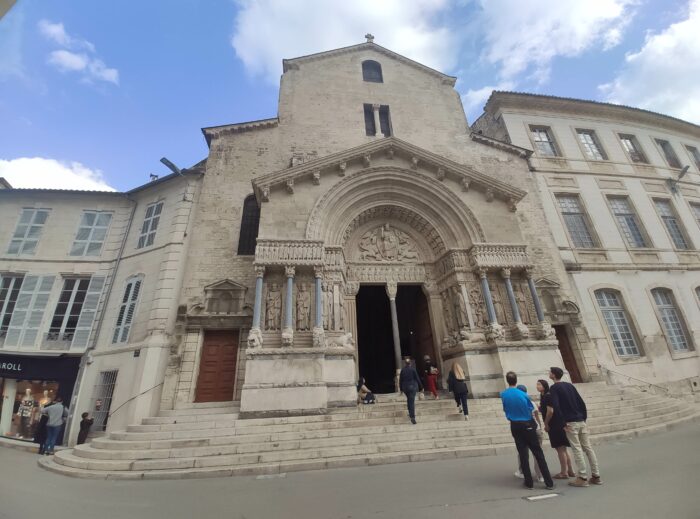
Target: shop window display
<point>31,398</point>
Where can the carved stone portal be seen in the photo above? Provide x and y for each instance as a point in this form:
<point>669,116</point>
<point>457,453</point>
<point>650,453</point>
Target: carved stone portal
<point>386,244</point>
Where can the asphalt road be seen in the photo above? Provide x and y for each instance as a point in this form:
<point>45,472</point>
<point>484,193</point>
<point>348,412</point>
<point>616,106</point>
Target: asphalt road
<point>651,477</point>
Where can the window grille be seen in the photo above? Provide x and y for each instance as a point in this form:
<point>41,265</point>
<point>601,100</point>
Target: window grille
<point>91,233</point>
<point>628,222</point>
<point>591,145</point>
<point>28,231</point>
<point>372,71</point>
<point>668,216</point>
<point>150,225</point>
<point>250,223</point>
<point>127,309</point>
<point>576,221</point>
<point>544,142</point>
<point>102,399</point>
<point>617,322</point>
<point>674,328</point>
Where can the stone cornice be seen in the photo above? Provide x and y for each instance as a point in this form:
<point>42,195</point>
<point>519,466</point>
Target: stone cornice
<point>416,157</point>
<point>523,153</point>
<point>226,129</point>
<point>292,64</point>
<point>624,114</point>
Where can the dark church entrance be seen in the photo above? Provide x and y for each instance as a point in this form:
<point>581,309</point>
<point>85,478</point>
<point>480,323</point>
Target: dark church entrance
<point>375,341</point>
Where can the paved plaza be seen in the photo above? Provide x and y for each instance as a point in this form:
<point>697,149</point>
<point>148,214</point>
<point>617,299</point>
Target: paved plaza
<point>650,477</point>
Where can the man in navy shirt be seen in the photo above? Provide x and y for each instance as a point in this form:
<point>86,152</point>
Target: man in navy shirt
<point>409,384</point>
<point>518,408</point>
<point>568,404</point>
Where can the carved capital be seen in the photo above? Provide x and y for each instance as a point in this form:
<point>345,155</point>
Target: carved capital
<point>290,186</point>
<point>521,331</point>
<point>494,332</point>
<point>289,271</point>
<point>545,331</point>
<point>352,288</point>
<point>259,271</point>
<point>391,289</point>
<point>465,184</point>
<point>255,339</point>
<point>316,177</point>
<point>265,193</point>
<point>375,107</point>
<point>528,272</point>
<point>341,168</point>
<point>481,272</point>
<point>440,174</point>
<point>505,273</point>
<point>318,271</point>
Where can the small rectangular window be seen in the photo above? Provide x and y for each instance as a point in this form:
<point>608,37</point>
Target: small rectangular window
<point>370,126</point>
<point>576,221</point>
<point>91,233</point>
<point>591,145</point>
<point>670,219</point>
<point>695,154</point>
<point>544,141</point>
<point>28,231</point>
<point>150,225</point>
<point>9,291</point>
<point>68,308</point>
<point>127,310</point>
<point>384,120</point>
<point>633,149</point>
<point>102,399</point>
<point>627,221</point>
<point>669,153</point>
<point>695,208</point>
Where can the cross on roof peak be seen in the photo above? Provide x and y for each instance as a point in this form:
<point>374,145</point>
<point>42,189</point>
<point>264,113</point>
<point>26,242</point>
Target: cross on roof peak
<point>370,38</point>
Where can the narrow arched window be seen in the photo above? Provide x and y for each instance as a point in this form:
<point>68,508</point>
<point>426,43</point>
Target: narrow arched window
<point>250,221</point>
<point>615,315</point>
<point>671,320</point>
<point>372,71</point>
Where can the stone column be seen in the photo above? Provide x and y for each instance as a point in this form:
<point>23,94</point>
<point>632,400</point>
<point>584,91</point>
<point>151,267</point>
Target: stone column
<point>493,329</point>
<point>8,402</point>
<point>288,328</point>
<point>319,339</point>
<point>255,339</point>
<point>377,123</point>
<point>519,328</point>
<point>544,329</point>
<point>391,290</point>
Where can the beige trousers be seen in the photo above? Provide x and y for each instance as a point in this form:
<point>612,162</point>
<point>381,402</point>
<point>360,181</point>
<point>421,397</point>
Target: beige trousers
<point>577,433</point>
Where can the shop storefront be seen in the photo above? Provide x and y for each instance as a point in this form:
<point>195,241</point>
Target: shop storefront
<point>29,383</point>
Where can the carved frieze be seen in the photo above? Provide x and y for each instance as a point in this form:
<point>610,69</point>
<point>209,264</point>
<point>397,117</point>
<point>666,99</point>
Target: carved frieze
<point>387,244</point>
<point>492,256</point>
<point>384,273</point>
<point>289,252</point>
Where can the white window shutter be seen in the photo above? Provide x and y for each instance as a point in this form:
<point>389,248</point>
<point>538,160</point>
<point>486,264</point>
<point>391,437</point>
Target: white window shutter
<point>36,315</point>
<point>21,311</point>
<point>87,314</point>
<point>127,311</point>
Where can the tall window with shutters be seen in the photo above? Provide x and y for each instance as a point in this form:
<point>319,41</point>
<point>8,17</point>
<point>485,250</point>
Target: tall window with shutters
<point>10,286</point>
<point>127,310</point>
<point>29,311</point>
<point>67,312</point>
<point>91,233</point>
<point>250,223</point>
<point>150,225</point>
<point>673,324</point>
<point>618,323</point>
<point>673,226</point>
<point>28,231</point>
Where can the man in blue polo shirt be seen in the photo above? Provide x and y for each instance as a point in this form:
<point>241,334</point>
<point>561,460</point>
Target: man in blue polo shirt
<point>518,408</point>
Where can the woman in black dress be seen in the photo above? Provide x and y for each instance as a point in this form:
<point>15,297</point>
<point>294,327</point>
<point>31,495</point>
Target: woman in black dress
<point>554,425</point>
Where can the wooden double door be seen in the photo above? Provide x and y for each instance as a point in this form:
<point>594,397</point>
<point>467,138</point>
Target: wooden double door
<point>217,366</point>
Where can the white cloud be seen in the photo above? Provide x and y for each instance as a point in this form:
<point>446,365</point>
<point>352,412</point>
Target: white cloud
<point>474,100</point>
<point>37,172</point>
<point>525,36</point>
<point>68,60</point>
<point>663,75</point>
<point>266,31</point>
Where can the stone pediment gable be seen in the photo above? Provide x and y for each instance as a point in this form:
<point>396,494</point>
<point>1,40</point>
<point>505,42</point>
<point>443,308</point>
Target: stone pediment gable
<point>227,129</point>
<point>523,153</point>
<point>547,283</point>
<point>225,284</point>
<point>293,64</point>
<point>395,149</point>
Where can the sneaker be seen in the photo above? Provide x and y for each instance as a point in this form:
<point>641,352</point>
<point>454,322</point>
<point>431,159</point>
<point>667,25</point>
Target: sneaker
<point>540,479</point>
<point>595,480</point>
<point>551,487</point>
<point>466,417</point>
<point>519,474</point>
<point>579,482</point>
<point>529,488</point>
<point>413,421</point>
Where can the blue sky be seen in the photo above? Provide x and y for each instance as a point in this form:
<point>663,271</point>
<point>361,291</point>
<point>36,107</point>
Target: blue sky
<point>92,94</point>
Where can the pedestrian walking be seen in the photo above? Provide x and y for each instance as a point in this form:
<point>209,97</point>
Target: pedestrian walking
<point>56,414</point>
<point>554,426</point>
<point>568,404</point>
<point>431,381</point>
<point>456,382</point>
<point>85,425</point>
<point>410,384</point>
<point>518,409</point>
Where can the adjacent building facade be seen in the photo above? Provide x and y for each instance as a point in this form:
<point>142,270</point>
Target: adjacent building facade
<point>366,222</point>
<point>620,189</point>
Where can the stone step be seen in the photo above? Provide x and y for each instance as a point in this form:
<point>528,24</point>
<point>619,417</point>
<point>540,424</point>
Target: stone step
<point>335,462</point>
<point>214,409</point>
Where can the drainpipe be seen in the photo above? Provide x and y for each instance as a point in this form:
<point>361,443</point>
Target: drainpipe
<point>86,356</point>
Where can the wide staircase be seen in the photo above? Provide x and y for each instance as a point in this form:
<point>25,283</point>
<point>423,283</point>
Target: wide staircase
<point>213,441</point>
